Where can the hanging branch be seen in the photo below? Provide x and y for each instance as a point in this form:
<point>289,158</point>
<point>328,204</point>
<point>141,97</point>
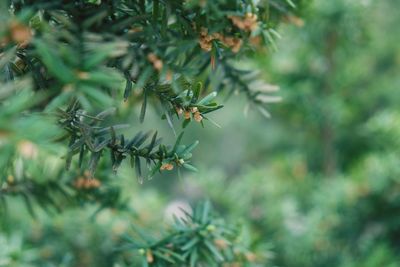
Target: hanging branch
<point>86,136</point>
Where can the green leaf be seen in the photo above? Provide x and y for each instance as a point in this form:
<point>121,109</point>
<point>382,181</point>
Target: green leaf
<point>206,211</point>
<point>94,160</point>
<point>185,123</point>
<point>190,167</point>
<point>144,106</point>
<point>214,250</point>
<point>207,99</point>
<point>193,257</point>
<point>290,2</point>
<point>128,87</point>
<point>192,242</point>
<point>164,257</point>
<point>138,170</point>
<point>190,148</point>
<point>54,62</point>
<point>178,141</point>
<point>97,95</point>
<point>153,142</point>
<point>196,92</point>
<point>155,169</point>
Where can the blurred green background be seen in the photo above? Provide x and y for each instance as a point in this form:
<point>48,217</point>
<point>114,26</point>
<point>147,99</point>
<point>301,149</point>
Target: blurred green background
<point>318,184</point>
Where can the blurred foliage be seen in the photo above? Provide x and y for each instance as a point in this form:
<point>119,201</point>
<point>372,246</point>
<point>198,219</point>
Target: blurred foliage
<point>91,64</point>
<point>316,185</point>
<point>321,178</point>
<point>73,76</point>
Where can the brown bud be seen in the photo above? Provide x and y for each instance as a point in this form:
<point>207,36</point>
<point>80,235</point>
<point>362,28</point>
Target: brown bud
<point>95,183</point>
<point>27,149</point>
<point>79,183</point>
<point>167,166</point>
<point>20,33</point>
<point>246,23</point>
<point>205,45</point>
<point>186,115</point>
<point>197,116</point>
<point>68,88</point>
<point>135,29</point>
<point>203,31</point>
<point>158,64</point>
<point>295,20</point>
<point>179,110</point>
<point>83,75</point>
<point>149,256</point>
<point>152,57</point>
<point>87,183</point>
<point>221,243</point>
<point>3,42</point>
<point>255,40</point>
<point>228,41</point>
<point>251,257</point>
<point>169,75</point>
<point>216,35</point>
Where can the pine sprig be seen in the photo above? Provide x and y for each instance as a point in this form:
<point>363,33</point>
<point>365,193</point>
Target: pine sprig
<point>201,238</point>
<point>86,136</point>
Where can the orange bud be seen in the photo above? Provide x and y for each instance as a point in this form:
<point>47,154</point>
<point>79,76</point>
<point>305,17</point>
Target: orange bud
<point>167,166</point>
<point>186,115</point>
<point>168,75</point>
<point>20,33</point>
<point>158,64</point>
